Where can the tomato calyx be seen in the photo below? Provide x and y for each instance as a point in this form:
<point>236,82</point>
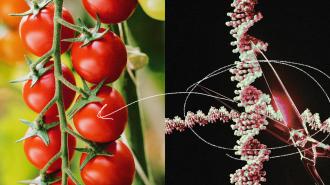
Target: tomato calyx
<point>35,7</point>
<point>91,96</point>
<point>96,150</point>
<point>87,35</point>
<point>36,71</point>
<point>38,129</point>
<point>46,180</point>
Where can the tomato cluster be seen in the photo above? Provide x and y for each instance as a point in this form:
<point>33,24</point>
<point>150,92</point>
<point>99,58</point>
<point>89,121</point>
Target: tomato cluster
<point>99,62</point>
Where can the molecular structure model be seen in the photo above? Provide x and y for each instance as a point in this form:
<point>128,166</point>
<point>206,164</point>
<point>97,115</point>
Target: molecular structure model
<point>275,113</point>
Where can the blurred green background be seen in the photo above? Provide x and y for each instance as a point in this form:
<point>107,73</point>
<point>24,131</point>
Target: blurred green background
<point>149,34</point>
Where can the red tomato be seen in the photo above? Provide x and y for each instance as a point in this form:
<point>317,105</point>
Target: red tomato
<point>38,96</point>
<point>12,6</point>
<point>38,153</point>
<point>110,11</point>
<point>102,59</point>
<point>37,31</point>
<point>102,130</point>
<point>118,169</point>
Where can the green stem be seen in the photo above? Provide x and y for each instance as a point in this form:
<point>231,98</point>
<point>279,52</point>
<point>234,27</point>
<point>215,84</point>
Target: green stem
<point>58,89</point>
<point>74,27</point>
<point>49,163</point>
<point>42,59</point>
<point>45,109</point>
<point>134,132</point>
<point>141,172</point>
<point>138,166</point>
<point>121,31</point>
<point>73,87</point>
<point>68,25</point>
<point>74,179</point>
<point>74,134</point>
<point>129,37</point>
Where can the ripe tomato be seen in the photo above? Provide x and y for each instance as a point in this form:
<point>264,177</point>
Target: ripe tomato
<point>38,96</point>
<point>118,169</point>
<point>110,11</point>
<point>37,31</point>
<point>96,129</point>
<point>38,153</point>
<point>104,58</point>
<point>154,8</point>
<point>12,49</point>
<point>12,6</point>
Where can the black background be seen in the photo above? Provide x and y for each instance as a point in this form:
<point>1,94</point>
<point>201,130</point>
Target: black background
<point>197,43</point>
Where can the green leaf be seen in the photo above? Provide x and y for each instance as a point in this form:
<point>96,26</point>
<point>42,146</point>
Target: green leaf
<point>97,88</point>
<point>33,76</point>
<point>86,42</point>
<point>28,135</point>
<point>50,179</point>
<point>98,23</point>
<point>42,133</point>
<point>91,153</point>
<point>28,123</point>
<point>95,36</point>
<point>41,71</point>
<point>34,80</point>
<point>82,102</point>
<point>22,79</point>
<point>86,88</point>
<point>32,132</point>
<point>36,131</point>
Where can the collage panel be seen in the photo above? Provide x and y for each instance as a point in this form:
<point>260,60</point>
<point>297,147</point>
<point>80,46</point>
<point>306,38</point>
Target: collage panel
<point>78,80</point>
<point>251,82</point>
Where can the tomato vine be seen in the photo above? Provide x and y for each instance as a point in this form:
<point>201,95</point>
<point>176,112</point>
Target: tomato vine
<point>58,91</point>
<point>49,121</point>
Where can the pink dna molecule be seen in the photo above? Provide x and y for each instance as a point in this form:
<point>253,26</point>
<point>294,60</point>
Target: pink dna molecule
<point>275,113</point>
